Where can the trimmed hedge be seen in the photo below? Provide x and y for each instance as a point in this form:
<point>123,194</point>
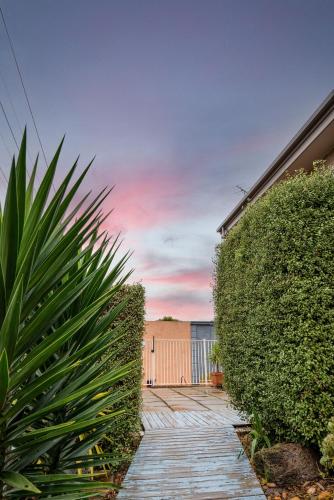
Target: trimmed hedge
<point>126,430</point>
<point>274,307</point>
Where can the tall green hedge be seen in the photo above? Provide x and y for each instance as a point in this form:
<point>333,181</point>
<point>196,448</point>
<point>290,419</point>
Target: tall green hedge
<point>274,306</point>
<point>131,320</point>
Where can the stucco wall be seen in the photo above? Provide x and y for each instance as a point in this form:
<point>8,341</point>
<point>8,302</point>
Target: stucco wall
<point>167,330</point>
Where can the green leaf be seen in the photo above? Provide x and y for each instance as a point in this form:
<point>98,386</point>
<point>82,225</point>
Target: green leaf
<point>48,433</point>
<point>18,481</point>
<point>2,295</point>
<point>39,202</point>
<point>30,188</point>
<point>9,233</point>
<point>21,183</point>
<point>4,377</point>
<point>74,496</point>
<point>59,274</point>
<point>10,325</point>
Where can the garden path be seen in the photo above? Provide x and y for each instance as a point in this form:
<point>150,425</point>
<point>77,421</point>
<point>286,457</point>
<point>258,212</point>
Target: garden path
<point>190,449</point>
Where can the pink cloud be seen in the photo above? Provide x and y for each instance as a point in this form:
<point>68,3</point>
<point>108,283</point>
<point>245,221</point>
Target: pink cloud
<point>180,309</point>
<point>199,278</point>
<point>146,199</point>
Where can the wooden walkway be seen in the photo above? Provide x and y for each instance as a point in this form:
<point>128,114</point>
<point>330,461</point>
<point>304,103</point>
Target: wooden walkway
<point>190,454</point>
<point>181,419</point>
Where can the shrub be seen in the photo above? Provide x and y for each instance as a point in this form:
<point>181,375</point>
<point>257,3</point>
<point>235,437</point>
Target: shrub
<point>126,429</point>
<point>216,356</point>
<point>56,277</point>
<point>274,299</point>
<point>327,447</point>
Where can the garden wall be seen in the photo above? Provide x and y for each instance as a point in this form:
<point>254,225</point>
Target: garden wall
<point>274,301</point>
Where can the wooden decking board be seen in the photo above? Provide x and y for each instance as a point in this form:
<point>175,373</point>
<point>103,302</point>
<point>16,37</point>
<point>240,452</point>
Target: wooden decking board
<point>167,419</point>
<point>190,454</point>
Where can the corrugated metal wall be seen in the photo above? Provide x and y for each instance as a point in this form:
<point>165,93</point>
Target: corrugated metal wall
<point>200,330</point>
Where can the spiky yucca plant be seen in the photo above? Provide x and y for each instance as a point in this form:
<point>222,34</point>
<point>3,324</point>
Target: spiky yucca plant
<point>56,277</point>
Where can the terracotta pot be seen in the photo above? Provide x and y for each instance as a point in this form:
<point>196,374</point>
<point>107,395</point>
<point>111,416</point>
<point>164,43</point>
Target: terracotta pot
<point>217,379</point>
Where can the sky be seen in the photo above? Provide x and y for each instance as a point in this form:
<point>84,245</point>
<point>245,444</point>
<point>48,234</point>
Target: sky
<point>180,100</point>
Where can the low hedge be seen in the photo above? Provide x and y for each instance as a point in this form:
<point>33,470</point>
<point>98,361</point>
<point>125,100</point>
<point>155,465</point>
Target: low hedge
<point>274,299</point>
<point>126,429</point>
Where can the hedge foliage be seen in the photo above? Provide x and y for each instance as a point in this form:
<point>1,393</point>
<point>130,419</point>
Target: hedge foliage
<point>274,301</point>
<point>125,432</point>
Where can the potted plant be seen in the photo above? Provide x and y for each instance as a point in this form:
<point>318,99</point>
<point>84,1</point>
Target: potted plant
<point>215,356</point>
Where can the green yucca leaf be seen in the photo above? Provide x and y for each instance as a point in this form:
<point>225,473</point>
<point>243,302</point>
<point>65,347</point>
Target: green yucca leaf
<point>58,273</point>
<point>30,189</point>
<point>54,341</point>
<point>37,436</point>
<point>69,197</point>
<point>4,377</point>
<point>21,184</point>
<point>2,294</point>
<point>85,461</point>
<point>108,379</point>
<point>49,218</point>
<point>11,322</point>
<point>52,308</point>
<point>39,201</point>
<point>73,496</point>
<point>18,481</point>
<point>9,240</point>
<point>80,485</point>
<point>61,369</point>
<point>62,478</point>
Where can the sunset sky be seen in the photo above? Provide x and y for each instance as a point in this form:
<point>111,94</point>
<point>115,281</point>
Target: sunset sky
<point>180,100</point>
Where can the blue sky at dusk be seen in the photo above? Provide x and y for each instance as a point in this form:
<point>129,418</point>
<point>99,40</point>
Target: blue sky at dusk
<point>180,100</point>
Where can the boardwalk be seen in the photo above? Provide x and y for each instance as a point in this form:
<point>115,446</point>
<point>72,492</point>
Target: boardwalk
<point>189,450</point>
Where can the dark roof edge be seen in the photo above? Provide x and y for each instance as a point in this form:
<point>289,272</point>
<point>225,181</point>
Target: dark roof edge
<point>209,322</point>
<point>319,115</point>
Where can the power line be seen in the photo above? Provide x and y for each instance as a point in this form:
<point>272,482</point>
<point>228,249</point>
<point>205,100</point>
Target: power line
<point>18,123</point>
<point>5,145</point>
<point>9,154</point>
<point>22,83</point>
<point>9,125</point>
<point>3,174</point>
<point>3,81</point>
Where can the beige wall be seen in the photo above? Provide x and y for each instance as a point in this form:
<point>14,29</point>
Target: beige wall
<point>170,363</point>
<point>167,330</point>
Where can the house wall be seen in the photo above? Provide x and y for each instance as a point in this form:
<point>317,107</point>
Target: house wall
<point>167,330</point>
<point>330,158</point>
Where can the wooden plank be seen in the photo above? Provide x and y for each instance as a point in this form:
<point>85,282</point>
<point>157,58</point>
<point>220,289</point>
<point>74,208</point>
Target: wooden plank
<point>196,463</point>
<point>167,419</point>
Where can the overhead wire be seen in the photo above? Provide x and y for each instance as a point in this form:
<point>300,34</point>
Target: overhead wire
<point>5,86</point>
<point>9,155</point>
<point>18,122</point>
<point>5,145</point>
<point>9,125</point>
<point>13,52</point>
